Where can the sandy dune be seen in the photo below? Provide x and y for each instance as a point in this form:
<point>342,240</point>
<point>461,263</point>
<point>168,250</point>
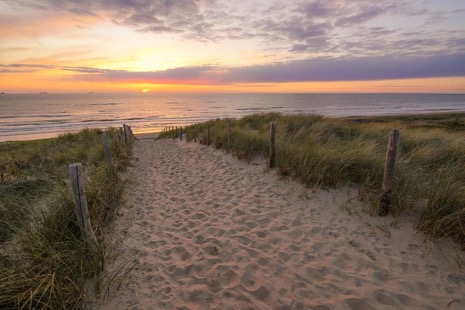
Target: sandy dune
<point>211,232</point>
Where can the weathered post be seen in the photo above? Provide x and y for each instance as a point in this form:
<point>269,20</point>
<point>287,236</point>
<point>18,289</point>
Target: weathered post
<point>121,134</point>
<point>80,203</point>
<point>187,134</point>
<point>126,134</point>
<point>208,135</point>
<point>181,135</point>
<point>107,150</point>
<point>195,133</point>
<point>388,178</point>
<point>272,145</point>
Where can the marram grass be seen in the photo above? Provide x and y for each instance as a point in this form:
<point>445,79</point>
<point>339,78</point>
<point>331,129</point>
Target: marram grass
<point>328,152</point>
<point>44,263</point>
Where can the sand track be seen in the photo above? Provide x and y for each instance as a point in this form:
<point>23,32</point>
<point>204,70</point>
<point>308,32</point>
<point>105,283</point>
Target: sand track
<point>211,232</point>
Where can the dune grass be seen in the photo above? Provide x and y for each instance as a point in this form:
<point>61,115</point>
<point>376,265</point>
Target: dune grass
<point>328,152</point>
<point>44,263</point>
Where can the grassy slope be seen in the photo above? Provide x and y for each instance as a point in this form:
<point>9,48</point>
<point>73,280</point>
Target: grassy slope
<point>326,152</point>
<point>43,261</point>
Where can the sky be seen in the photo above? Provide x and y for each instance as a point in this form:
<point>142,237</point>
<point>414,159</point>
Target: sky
<point>232,46</point>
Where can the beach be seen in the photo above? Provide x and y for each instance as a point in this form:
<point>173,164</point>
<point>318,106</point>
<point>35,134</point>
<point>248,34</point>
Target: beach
<point>204,230</point>
<point>38,116</point>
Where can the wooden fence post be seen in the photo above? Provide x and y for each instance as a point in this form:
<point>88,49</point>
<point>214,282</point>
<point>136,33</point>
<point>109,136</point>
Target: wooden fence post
<point>127,134</point>
<point>107,150</point>
<point>187,134</point>
<point>388,178</point>
<point>195,133</point>
<point>229,134</point>
<point>208,135</point>
<point>121,135</point>
<point>80,203</point>
<point>272,145</point>
<point>181,135</point>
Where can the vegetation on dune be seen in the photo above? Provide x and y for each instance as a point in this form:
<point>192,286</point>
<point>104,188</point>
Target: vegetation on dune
<point>44,263</point>
<point>328,152</point>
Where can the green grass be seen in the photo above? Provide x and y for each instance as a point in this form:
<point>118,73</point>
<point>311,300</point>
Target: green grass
<point>327,152</point>
<point>44,263</point>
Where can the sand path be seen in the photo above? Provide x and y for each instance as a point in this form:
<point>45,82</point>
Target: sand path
<point>211,232</point>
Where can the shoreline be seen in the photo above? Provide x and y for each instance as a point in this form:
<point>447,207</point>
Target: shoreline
<point>362,119</point>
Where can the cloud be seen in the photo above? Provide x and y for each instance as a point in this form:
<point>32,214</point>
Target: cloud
<point>84,69</point>
<point>291,26</point>
<point>310,31</point>
<point>182,16</point>
<point>308,70</point>
<point>33,66</point>
<point>191,74</point>
<point>350,69</point>
<point>318,9</point>
<point>363,14</point>
<point>15,71</point>
<point>297,30</point>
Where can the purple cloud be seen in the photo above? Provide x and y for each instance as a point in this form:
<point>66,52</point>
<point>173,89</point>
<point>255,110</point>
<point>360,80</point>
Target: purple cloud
<point>350,69</point>
<point>365,14</point>
<point>317,9</point>
<point>34,66</point>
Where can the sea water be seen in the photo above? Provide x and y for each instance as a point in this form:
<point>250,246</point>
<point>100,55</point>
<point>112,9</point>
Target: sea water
<point>34,116</point>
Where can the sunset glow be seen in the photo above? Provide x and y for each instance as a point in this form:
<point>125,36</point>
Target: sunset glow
<point>232,46</point>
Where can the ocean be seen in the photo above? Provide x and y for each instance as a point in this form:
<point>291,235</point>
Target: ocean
<point>35,116</point>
